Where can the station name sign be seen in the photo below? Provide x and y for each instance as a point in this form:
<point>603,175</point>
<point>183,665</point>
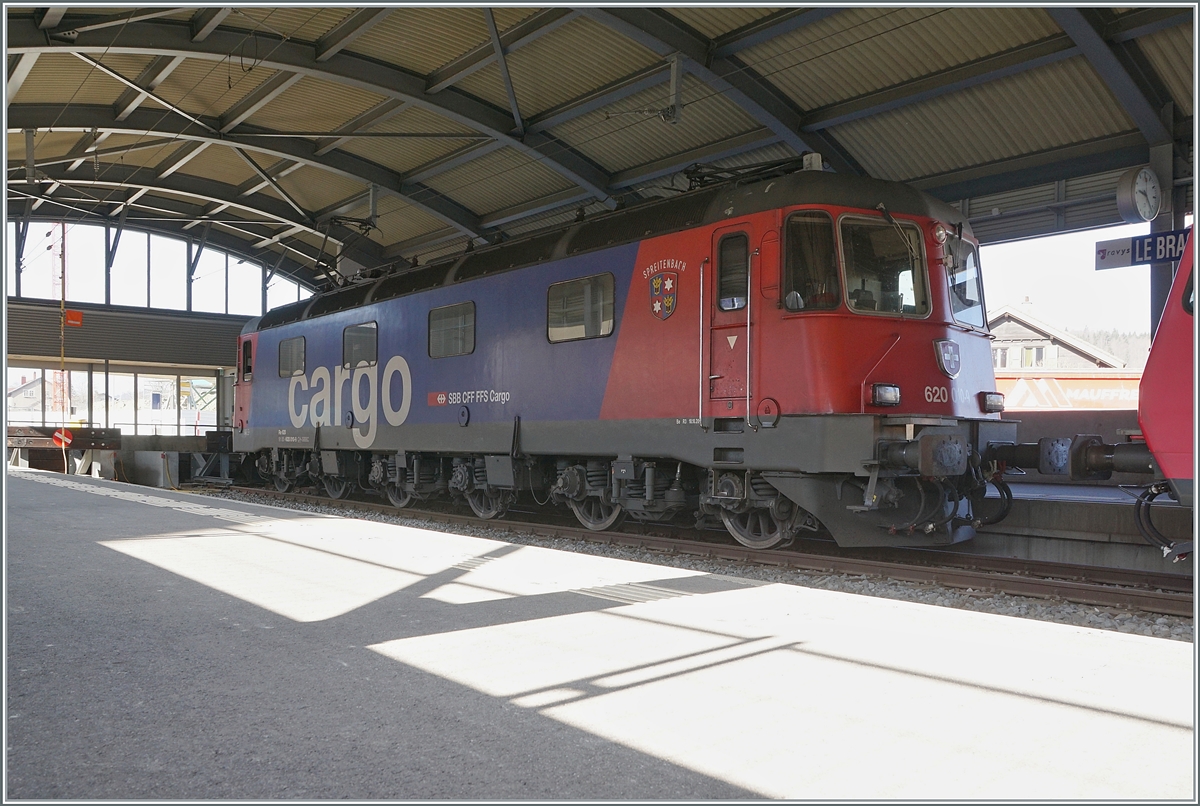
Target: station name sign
<point>1160,247</point>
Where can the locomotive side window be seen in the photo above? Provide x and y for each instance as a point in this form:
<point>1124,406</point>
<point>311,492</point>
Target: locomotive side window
<point>1189,296</point>
<point>811,279</point>
<point>291,357</point>
<point>580,309</point>
<point>247,360</point>
<point>452,330</point>
<point>884,267</point>
<point>733,272</point>
<point>359,344</point>
<point>966,282</point>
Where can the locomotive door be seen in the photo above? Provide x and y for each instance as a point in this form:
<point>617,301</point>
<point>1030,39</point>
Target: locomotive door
<point>247,348</point>
<point>730,288</point>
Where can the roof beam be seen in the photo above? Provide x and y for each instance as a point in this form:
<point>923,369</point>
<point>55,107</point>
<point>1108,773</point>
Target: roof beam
<point>165,37</point>
<point>155,73</point>
<point>48,18</point>
<point>598,99</point>
<point>349,29</point>
<point>18,71</point>
<point>262,95</point>
<point>664,36</point>
<point>1146,21</point>
<point>521,34</point>
<point>767,28</point>
<point>1079,159</point>
<point>452,160</point>
<point>70,31</point>
<point>490,19</point>
<point>731,146</point>
<point>182,156</point>
<point>157,124</point>
<point>990,68</point>
<point>1118,80</point>
<point>287,197</point>
<point>373,116</point>
<point>279,170</point>
<point>206,20</point>
<point>103,68</point>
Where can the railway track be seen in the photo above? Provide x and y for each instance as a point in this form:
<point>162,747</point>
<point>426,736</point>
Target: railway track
<point>1153,592</point>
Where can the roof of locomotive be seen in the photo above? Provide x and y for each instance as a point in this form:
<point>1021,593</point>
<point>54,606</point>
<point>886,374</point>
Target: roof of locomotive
<point>707,205</point>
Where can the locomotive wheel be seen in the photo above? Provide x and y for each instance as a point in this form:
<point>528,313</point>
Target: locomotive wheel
<point>336,487</point>
<point>283,485</point>
<point>756,528</point>
<point>486,507</point>
<point>399,497</point>
<point>596,514</point>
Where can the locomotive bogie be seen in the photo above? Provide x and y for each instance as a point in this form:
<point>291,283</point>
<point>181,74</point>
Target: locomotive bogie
<point>777,355</point>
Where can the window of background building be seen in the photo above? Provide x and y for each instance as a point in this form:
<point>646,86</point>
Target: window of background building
<point>1032,357</point>
<point>197,405</point>
<point>85,263</point>
<point>208,283</point>
<point>120,402</point>
<point>281,291</point>
<point>157,404</point>
<point>24,401</point>
<point>129,270</point>
<point>1000,357</point>
<point>168,273</point>
<point>245,287</point>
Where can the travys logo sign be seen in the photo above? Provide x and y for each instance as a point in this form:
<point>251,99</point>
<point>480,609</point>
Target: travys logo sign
<point>664,288</point>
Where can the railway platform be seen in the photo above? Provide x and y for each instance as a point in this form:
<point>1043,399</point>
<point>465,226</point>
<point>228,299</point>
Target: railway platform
<point>167,646</point>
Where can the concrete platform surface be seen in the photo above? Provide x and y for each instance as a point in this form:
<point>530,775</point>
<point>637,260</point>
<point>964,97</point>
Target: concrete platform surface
<point>170,646</point>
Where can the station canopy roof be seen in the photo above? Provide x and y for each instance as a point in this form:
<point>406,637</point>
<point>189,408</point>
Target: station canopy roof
<point>309,138</point>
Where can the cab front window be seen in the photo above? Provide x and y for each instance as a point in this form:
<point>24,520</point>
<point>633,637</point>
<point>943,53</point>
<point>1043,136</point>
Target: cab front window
<point>884,267</point>
<point>966,282</point>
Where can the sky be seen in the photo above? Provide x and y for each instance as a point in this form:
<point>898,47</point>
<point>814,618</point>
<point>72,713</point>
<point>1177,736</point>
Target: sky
<point>1058,274</point>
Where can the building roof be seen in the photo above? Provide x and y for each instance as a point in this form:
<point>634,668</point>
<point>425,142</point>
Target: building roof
<point>383,135</point>
<point>1054,334</point>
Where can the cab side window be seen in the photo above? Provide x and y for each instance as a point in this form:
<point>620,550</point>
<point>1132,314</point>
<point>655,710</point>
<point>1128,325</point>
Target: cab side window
<point>733,272</point>
<point>247,360</point>
<point>810,280</point>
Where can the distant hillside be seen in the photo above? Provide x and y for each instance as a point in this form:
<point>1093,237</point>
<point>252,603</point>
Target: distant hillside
<point>1132,348</point>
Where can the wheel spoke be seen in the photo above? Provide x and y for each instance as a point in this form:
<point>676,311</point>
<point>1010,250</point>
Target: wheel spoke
<point>595,514</point>
<point>755,528</point>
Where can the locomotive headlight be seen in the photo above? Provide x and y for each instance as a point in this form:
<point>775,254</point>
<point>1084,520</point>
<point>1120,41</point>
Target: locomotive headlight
<point>991,401</point>
<point>885,394</point>
<point>939,232</point>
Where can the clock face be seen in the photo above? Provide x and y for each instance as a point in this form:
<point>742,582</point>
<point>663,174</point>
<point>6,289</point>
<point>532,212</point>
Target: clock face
<point>1146,194</point>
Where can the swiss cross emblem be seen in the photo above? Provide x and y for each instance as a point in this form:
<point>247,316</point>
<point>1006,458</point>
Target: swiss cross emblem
<point>663,293</point>
<point>947,357</point>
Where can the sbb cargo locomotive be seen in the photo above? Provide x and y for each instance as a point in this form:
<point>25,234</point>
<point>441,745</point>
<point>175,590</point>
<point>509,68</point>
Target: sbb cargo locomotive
<point>784,350</point>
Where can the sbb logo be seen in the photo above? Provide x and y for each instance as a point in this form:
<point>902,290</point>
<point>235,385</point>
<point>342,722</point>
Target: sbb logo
<point>437,398</point>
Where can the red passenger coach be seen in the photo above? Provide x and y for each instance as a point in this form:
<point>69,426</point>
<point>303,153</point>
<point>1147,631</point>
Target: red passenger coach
<point>777,350</point>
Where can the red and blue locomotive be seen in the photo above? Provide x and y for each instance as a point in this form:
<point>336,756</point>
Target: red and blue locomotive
<point>784,350</point>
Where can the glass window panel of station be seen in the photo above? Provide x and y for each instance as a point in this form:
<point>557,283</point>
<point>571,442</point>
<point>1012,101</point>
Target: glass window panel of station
<point>120,402</point>
<point>99,393</point>
<point>168,273</point>
<point>245,287</point>
<point>304,293</point>
<point>24,401</point>
<point>43,262</point>
<point>66,397</point>
<point>10,259</point>
<point>197,405</point>
<point>128,275</point>
<point>157,405</point>
<point>281,291</point>
<point>85,263</point>
<point>208,283</point>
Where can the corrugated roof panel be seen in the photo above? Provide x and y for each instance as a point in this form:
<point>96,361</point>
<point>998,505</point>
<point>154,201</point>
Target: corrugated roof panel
<point>46,145</point>
<point>1172,53</point>
<point>630,133</point>
<point>986,123</point>
<point>141,156</point>
<point>312,104</point>
<point>219,164</point>
<point>423,39</point>
<point>403,154</point>
<point>713,21</point>
<point>204,88</point>
<point>497,180</point>
<point>861,50</point>
<point>314,189</point>
<point>539,80</point>
<point>303,23</point>
<point>399,221</point>
<point>61,79</point>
